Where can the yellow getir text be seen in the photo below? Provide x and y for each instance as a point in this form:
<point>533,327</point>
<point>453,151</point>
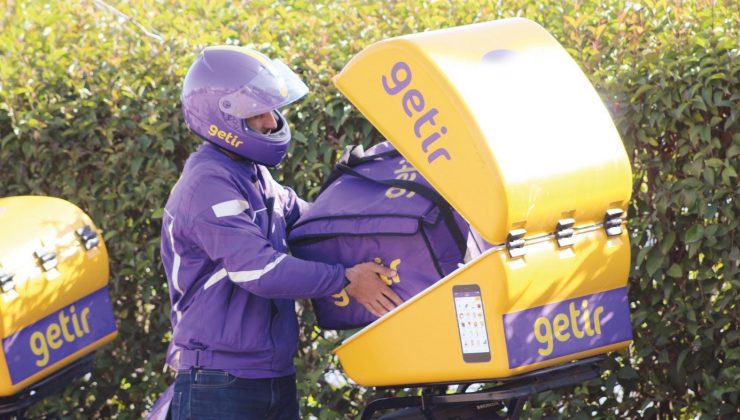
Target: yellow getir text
<point>67,330</point>
<point>566,326</point>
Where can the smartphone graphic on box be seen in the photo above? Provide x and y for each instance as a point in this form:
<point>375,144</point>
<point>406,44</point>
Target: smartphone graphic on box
<point>471,323</point>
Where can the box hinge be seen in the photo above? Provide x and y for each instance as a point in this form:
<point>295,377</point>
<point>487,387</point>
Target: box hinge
<point>613,222</point>
<point>564,232</point>
<point>515,243</point>
<point>88,237</point>
<point>7,282</point>
<point>47,259</point>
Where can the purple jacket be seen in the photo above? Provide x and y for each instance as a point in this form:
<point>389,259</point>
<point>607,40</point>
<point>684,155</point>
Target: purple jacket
<point>231,281</point>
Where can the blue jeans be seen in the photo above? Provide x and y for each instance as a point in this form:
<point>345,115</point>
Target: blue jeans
<point>216,394</point>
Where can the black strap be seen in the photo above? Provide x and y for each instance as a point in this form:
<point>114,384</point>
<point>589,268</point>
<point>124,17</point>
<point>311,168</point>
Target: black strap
<point>445,209</point>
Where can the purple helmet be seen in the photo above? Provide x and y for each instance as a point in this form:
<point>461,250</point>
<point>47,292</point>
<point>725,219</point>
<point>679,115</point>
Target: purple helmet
<point>228,84</point>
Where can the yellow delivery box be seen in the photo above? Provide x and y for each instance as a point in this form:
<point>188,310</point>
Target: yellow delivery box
<point>53,289</point>
<point>504,124</point>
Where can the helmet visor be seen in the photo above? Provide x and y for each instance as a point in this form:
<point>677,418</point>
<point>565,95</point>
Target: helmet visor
<point>274,86</point>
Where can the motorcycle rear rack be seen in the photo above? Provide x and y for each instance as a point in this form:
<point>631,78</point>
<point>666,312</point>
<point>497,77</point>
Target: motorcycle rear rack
<point>509,393</point>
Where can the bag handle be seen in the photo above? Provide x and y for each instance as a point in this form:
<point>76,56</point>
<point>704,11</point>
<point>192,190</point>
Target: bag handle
<point>352,156</point>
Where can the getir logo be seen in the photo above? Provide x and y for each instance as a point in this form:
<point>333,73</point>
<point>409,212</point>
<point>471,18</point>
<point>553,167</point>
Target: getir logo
<point>58,335</point>
<point>567,327</point>
<point>414,105</point>
<point>67,330</point>
<point>227,136</point>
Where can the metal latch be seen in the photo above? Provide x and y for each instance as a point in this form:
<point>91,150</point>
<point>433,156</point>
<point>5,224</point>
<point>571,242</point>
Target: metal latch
<point>48,259</point>
<point>7,283</point>
<point>564,232</point>
<point>613,222</point>
<point>88,237</point>
<point>515,243</point>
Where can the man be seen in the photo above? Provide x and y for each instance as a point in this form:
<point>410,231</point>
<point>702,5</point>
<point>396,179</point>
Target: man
<point>232,283</point>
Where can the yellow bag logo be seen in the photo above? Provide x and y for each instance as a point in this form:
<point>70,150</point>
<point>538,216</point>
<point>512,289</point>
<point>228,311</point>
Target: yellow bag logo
<point>341,299</point>
<point>406,173</point>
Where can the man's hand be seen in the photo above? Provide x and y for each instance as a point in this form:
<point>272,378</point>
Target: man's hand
<point>369,290</point>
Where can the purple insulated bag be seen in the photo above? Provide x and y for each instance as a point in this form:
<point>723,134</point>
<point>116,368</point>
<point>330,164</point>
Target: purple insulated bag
<point>376,207</point>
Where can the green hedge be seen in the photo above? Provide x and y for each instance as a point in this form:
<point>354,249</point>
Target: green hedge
<point>89,112</point>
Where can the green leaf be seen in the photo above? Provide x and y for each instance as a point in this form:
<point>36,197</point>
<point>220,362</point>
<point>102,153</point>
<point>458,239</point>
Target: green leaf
<point>733,151</point>
<point>691,315</point>
<point>642,89</point>
<point>675,271</point>
<point>627,372</point>
<point>694,234</point>
<point>714,163</point>
<point>136,164</point>
<point>641,254</point>
<point>299,137</point>
<point>681,359</point>
<point>705,134</point>
<point>689,198</point>
<point>727,174</point>
<point>667,243</point>
<point>655,260</point>
<point>158,213</point>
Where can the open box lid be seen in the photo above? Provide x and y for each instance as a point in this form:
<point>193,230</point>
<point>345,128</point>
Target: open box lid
<point>500,120</point>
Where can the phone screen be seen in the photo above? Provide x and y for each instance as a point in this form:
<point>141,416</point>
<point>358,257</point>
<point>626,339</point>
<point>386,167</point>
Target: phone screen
<point>471,323</point>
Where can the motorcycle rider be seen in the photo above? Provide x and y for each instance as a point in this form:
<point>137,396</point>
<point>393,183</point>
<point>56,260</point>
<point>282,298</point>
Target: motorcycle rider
<point>232,282</point>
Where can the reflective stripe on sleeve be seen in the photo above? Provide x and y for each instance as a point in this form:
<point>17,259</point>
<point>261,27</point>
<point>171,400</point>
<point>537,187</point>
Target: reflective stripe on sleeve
<point>250,275</point>
<point>241,276</point>
<point>175,267</point>
<point>215,278</point>
<point>230,208</point>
